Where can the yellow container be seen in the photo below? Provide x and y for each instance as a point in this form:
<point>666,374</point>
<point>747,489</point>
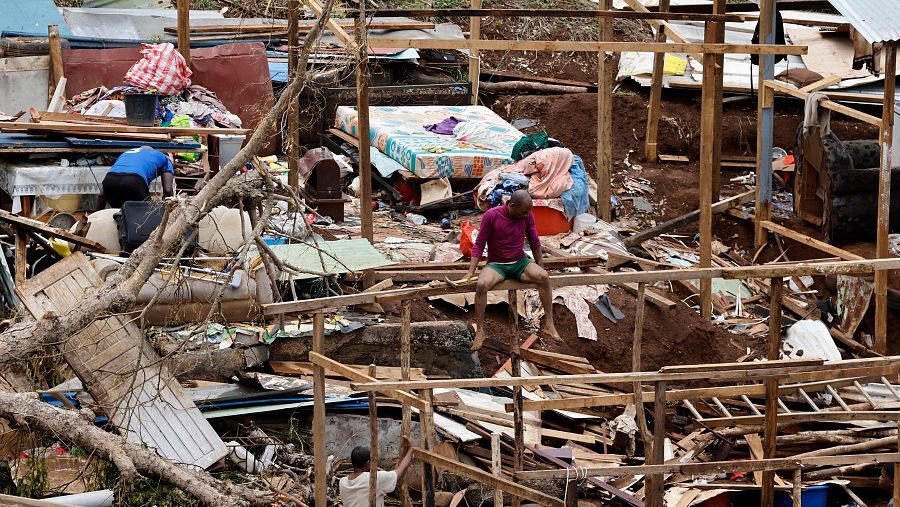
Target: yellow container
<point>66,202</point>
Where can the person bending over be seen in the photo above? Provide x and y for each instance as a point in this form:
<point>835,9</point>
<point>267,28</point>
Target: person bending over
<point>504,230</point>
<point>355,487</point>
<point>130,177</point>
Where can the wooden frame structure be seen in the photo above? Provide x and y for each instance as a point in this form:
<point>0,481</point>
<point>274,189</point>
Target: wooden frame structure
<point>772,374</point>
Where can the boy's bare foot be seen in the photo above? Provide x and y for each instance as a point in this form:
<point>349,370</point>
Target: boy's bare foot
<point>550,330</point>
<point>479,336</point>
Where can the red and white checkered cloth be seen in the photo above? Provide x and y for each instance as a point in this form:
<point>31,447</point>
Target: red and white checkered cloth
<point>162,69</point>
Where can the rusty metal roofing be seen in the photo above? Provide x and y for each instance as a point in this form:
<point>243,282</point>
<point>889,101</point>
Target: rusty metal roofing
<point>875,20</point>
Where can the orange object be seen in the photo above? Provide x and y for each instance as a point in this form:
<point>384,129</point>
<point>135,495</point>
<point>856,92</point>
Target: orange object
<point>550,221</point>
<point>467,238</point>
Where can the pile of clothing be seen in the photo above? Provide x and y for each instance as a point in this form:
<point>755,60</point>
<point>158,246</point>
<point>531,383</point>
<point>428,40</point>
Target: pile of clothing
<point>545,169</point>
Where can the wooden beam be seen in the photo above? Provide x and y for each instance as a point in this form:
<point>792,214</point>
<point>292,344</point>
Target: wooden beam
<point>406,414</point>
<point>496,466</point>
<point>426,436</point>
<point>687,218</point>
<point>716,32</point>
<point>21,262</point>
<point>811,242</point>
<point>357,376</point>
<point>332,25</point>
<point>771,418</point>
<point>656,488</point>
<point>714,467</point>
<point>800,373</point>
<point>373,442</point>
<point>625,497</point>
<point>857,268</point>
<point>293,113</point>
<point>56,63</point>
<point>113,129</point>
<point>552,13</point>
<point>567,46</point>
<point>652,135</point>
<point>319,453</point>
<point>367,228</point>
<point>827,104</point>
<point>765,124</point>
<point>303,27</point>
<point>886,139</point>
<point>184,30</point>
<point>516,363</point>
<point>605,86</point>
<point>708,136</point>
<point>494,481</point>
<point>803,417</point>
<point>821,84</point>
<point>42,228</point>
<point>474,54</point>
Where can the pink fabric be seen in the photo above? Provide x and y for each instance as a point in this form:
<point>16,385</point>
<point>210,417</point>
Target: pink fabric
<point>505,236</point>
<point>549,171</point>
<point>162,69</point>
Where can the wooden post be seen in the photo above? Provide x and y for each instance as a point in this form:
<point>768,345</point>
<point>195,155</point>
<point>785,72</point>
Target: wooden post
<point>21,256</point>
<point>640,415</point>
<point>651,137</point>
<point>362,109</point>
<point>518,414</point>
<point>765,127</point>
<point>293,119</point>
<point>319,457</point>
<point>604,117</point>
<point>884,194</point>
<point>56,64</point>
<point>426,431</point>
<point>771,417</point>
<point>496,466</point>
<point>373,442</point>
<point>474,54</point>
<point>718,36</point>
<point>711,110</point>
<point>655,489</point>
<point>184,30</point>
<point>896,492</point>
<point>405,359</point>
<point>798,487</point>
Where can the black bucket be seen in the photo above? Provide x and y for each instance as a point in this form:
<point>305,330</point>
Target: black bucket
<point>140,109</point>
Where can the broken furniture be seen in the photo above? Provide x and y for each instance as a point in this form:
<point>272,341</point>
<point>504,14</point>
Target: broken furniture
<point>322,189</point>
<point>837,185</point>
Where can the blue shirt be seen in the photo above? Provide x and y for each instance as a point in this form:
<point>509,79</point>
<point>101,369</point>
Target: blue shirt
<point>144,162</point>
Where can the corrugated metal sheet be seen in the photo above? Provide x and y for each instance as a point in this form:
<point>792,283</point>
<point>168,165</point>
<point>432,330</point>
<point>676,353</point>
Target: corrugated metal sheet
<point>31,17</point>
<point>875,20</point>
<point>340,256</point>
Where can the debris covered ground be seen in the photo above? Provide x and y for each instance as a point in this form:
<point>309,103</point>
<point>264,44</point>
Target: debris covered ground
<point>209,350</point>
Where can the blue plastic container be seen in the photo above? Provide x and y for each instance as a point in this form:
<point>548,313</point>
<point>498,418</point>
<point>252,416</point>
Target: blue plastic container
<point>274,241</point>
<point>813,496</point>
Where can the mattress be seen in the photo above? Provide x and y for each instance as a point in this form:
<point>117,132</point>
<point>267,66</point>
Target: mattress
<point>482,142</point>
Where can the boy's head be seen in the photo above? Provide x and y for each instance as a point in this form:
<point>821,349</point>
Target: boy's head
<point>359,457</point>
<point>519,204</point>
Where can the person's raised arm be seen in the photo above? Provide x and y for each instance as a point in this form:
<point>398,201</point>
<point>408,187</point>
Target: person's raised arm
<point>534,241</point>
<point>407,459</point>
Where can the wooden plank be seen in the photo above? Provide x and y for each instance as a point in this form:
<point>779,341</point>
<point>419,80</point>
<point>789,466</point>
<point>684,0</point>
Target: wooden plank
<point>373,443</point>
<point>554,363</point>
<point>56,63</point>
<point>475,55</point>
<point>318,430</point>
<point>6,126</point>
<point>367,228</point>
<point>621,495</point>
<point>714,467</point>
<point>40,227</point>
<point>553,13</point>
<point>307,368</point>
<point>656,488</point>
<point>427,436</point>
<point>184,30</point>
<point>124,374</point>
<point>802,373</point>
<point>487,479</point>
<point>330,364</point>
<point>405,360</point>
<point>811,242</point>
<point>518,414</point>
<point>771,363</point>
<point>566,46</point>
<point>21,263</point>
<point>332,25</point>
<point>770,436</point>
<point>651,137</point>
<point>302,28</point>
<point>649,295</point>
<point>293,118</point>
<point>882,246</point>
<point>75,118</point>
<point>605,83</point>
<point>570,261</point>
<point>827,104</point>
<point>496,466</point>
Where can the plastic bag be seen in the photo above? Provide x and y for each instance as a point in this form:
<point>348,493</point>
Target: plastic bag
<point>162,68</point>
<point>467,238</point>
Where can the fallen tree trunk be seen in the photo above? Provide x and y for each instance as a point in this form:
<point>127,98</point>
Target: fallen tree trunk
<point>131,460</point>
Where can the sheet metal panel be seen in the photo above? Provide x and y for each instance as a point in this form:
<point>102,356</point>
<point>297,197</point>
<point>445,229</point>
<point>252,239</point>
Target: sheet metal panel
<point>875,20</point>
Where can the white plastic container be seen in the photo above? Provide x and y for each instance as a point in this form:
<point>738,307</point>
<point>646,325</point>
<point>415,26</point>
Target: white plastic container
<point>229,146</point>
<point>583,222</point>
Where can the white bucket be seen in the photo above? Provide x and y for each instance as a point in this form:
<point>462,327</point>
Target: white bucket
<point>229,146</point>
<point>583,222</point>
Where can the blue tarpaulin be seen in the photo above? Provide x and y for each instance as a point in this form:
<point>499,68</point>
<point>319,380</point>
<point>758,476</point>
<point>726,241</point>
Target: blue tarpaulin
<point>31,17</point>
